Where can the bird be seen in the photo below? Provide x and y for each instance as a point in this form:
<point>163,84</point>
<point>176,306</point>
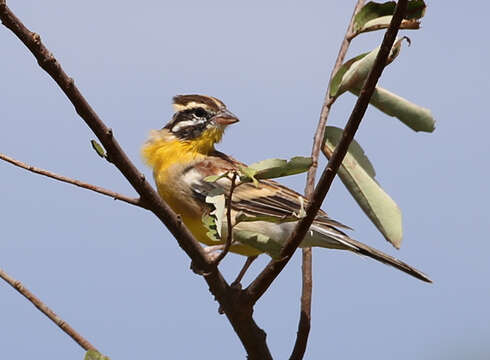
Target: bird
<point>183,156</point>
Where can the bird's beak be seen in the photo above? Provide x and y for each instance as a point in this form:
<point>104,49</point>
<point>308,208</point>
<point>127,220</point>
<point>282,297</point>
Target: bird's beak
<point>224,118</point>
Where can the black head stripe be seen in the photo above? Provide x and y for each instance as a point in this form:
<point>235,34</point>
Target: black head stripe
<point>193,115</point>
<point>189,123</point>
<point>210,102</point>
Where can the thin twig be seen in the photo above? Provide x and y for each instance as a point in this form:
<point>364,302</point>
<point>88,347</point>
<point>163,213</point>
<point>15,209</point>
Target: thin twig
<point>17,285</point>
<point>304,323</point>
<point>328,102</point>
<point>257,288</point>
<point>229,237</point>
<point>238,311</point>
<point>97,189</point>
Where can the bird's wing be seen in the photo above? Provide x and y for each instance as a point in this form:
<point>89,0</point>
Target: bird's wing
<point>268,198</point>
<point>271,199</point>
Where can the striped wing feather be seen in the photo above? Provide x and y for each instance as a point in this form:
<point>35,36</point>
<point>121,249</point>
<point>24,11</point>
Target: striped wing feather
<point>269,198</point>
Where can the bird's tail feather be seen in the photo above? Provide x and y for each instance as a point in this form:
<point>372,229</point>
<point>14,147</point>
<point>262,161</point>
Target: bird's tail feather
<point>333,238</point>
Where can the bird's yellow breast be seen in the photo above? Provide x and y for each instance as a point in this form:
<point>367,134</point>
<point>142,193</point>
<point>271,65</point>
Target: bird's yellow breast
<point>169,157</point>
<point>168,160</point>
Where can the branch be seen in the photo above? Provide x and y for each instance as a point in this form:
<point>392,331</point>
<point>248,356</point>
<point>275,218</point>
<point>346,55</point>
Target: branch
<point>257,288</point>
<point>63,325</point>
<point>304,324</point>
<point>97,189</point>
<point>328,102</point>
<point>47,61</point>
<point>237,311</point>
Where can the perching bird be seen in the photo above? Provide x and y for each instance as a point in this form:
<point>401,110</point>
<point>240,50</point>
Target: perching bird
<point>182,155</point>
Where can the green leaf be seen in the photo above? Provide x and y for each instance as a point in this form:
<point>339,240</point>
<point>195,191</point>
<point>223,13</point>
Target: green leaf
<point>371,11</point>
<point>209,223</point>
<point>98,148</point>
<point>375,16</point>
<point>94,355</point>
<point>357,173</point>
<point>414,116</point>
<point>351,77</point>
<point>354,72</point>
<point>274,168</point>
<point>297,165</point>
<point>415,9</point>
<point>216,198</point>
<point>214,178</point>
<point>337,78</point>
<point>248,174</point>
<point>258,241</point>
<point>383,22</point>
<point>268,164</point>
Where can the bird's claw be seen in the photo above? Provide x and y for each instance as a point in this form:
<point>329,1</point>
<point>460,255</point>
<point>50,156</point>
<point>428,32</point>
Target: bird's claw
<point>211,253</point>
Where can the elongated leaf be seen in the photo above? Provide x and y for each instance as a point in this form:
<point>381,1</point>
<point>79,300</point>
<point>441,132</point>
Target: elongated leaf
<point>94,355</point>
<point>414,116</point>
<point>372,11</point>
<point>357,174</point>
<point>258,241</point>
<point>98,148</point>
<point>274,168</point>
<point>297,165</point>
<point>383,22</point>
<point>351,77</point>
<point>336,82</point>
<point>354,72</point>
<point>267,164</point>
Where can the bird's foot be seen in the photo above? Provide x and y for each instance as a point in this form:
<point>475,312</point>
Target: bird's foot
<point>211,253</point>
<point>236,284</point>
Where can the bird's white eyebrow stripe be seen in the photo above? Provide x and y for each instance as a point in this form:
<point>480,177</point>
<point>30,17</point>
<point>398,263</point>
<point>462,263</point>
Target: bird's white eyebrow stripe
<point>186,123</point>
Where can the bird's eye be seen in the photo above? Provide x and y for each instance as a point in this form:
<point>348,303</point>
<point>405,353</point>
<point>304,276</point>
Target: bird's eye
<point>200,112</point>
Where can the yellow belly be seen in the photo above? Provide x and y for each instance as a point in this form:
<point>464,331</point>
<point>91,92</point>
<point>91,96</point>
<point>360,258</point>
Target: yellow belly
<point>191,213</point>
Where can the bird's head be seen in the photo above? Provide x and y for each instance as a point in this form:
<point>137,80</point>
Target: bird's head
<point>199,118</point>
<point>198,123</point>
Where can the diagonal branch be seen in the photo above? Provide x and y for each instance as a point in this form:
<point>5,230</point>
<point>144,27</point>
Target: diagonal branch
<point>238,312</point>
<point>47,61</point>
<point>304,324</point>
<point>17,285</point>
<point>257,288</point>
<point>97,189</point>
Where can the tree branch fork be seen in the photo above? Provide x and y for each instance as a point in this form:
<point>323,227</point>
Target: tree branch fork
<point>237,304</point>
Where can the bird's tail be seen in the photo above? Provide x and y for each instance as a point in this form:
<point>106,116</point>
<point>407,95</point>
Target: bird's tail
<point>330,237</point>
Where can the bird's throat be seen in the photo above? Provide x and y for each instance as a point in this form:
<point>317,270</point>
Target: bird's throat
<point>161,152</point>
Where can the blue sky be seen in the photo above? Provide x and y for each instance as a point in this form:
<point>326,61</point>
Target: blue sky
<point>120,279</point>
